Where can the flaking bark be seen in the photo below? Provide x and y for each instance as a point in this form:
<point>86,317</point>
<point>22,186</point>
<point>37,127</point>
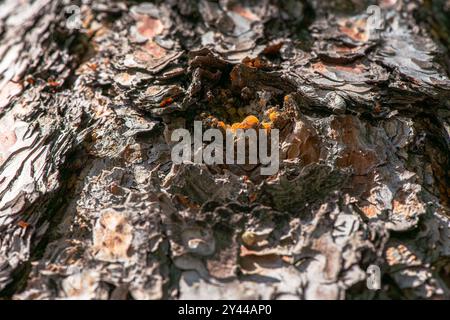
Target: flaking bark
<point>92,207</point>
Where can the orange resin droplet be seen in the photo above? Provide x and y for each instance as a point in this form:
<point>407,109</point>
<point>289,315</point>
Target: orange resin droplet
<point>250,122</point>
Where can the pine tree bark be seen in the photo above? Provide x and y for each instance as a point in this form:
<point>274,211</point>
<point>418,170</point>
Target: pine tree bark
<point>91,205</point>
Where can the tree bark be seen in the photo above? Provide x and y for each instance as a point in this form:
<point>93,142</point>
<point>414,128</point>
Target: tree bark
<point>91,205</point>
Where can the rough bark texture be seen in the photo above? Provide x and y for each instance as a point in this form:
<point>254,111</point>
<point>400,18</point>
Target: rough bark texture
<point>92,207</point>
